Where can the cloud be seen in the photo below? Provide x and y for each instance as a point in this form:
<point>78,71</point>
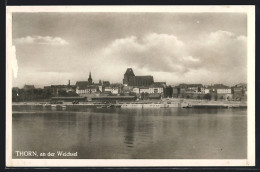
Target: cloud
<point>220,51</point>
<point>220,55</point>
<point>155,52</point>
<point>45,40</point>
<point>217,57</point>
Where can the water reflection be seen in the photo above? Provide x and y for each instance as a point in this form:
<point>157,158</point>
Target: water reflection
<point>129,130</point>
<point>134,133</point>
<point>89,127</point>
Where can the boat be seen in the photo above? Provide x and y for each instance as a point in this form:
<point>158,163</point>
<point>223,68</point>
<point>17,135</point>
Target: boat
<point>116,106</point>
<point>189,106</point>
<point>109,106</point>
<point>105,106</point>
<point>101,107</point>
<point>164,107</point>
<point>186,105</point>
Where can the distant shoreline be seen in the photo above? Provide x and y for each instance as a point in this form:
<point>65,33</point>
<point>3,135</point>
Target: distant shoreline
<point>164,103</point>
<point>164,100</point>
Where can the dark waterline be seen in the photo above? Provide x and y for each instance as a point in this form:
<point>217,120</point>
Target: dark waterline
<point>133,133</point>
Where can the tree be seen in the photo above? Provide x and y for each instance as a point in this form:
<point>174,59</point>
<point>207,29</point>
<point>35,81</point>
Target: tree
<point>132,94</point>
<point>122,94</point>
<point>47,94</point>
<point>142,95</point>
<point>14,95</point>
<point>216,97</point>
<point>168,91</point>
<point>207,96</point>
<point>62,93</point>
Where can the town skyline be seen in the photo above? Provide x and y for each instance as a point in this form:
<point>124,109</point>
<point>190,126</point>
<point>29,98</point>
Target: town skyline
<point>70,82</point>
<point>133,85</point>
<point>53,48</point>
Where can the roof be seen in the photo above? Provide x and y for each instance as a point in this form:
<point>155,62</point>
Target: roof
<point>164,83</point>
<point>143,77</point>
<point>157,85</point>
<point>28,87</point>
<point>140,80</point>
<point>219,86</point>
<point>189,85</point>
<point>116,85</point>
<point>82,84</point>
<point>129,71</point>
<point>241,85</point>
<point>106,83</point>
<point>238,88</point>
<point>195,85</point>
<point>59,86</point>
<point>71,86</point>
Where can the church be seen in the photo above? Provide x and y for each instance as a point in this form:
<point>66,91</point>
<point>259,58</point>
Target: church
<point>131,80</point>
<point>86,87</point>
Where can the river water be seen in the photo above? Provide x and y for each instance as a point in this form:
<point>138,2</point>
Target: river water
<point>133,133</point>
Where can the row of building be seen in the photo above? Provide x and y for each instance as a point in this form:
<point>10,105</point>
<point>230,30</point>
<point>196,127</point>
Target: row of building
<point>144,87</point>
<point>216,91</point>
<point>146,84</point>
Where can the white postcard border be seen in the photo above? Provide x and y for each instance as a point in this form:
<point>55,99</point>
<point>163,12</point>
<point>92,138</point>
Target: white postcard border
<point>250,161</point>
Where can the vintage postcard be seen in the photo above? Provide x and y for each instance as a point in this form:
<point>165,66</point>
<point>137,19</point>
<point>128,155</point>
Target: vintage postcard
<point>103,86</point>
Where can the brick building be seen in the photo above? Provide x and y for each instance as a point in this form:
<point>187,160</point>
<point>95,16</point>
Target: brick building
<point>131,80</point>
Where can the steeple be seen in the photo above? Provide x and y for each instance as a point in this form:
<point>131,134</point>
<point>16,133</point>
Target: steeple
<point>90,79</point>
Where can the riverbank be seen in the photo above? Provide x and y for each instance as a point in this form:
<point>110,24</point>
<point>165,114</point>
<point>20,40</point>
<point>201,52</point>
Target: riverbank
<point>163,103</point>
<point>155,101</point>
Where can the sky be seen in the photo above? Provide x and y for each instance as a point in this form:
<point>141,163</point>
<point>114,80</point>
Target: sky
<point>52,48</point>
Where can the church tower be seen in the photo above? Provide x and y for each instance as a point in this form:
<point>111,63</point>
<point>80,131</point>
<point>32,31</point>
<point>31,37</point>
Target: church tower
<point>90,79</point>
<point>128,74</point>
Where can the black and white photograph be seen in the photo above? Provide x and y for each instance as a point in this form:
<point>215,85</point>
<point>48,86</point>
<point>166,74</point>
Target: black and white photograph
<point>130,86</point>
